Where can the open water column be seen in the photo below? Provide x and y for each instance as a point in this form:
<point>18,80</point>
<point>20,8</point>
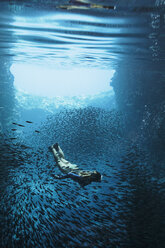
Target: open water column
<point>88,74</point>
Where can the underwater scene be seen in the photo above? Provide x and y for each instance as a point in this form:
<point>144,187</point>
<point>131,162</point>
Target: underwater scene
<point>82,124</point>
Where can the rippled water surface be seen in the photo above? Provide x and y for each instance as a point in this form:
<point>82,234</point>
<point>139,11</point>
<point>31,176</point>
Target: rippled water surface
<point>53,56</point>
<point>92,37</point>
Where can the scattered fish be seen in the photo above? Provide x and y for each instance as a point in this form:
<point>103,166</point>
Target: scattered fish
<point>20,125</point>
<point>95,197</point>
<point>13,138</point>
<point>107,164</point>
<point>29,121</point>
<point>25,147</point>
<point>37,131</point>
<point>13,129</point>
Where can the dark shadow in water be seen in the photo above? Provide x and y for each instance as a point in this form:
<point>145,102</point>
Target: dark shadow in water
<point>142,201</point>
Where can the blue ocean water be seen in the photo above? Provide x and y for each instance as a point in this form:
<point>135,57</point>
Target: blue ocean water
<point>90,76</point>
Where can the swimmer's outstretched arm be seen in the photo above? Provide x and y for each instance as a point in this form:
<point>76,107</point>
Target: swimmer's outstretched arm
<point>61,177</point>
<point>71,175</point>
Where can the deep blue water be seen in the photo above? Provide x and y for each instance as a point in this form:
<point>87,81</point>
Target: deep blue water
<point>120,132</point>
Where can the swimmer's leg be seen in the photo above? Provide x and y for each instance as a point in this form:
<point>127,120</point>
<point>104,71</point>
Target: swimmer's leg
<point>56,155</point>
<point>63,164</point>
<point>60,151</point>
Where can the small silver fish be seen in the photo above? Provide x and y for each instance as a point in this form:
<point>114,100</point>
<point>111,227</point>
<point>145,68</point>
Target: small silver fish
<point>37,131</point>
<point>20,125</point>
<point>29,121</point>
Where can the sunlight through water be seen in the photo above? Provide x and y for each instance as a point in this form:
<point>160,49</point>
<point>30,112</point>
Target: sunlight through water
<point>49,82</point>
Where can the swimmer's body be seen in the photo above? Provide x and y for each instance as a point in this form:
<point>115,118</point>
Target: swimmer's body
<point>84,4</point>
<point>72,171</point>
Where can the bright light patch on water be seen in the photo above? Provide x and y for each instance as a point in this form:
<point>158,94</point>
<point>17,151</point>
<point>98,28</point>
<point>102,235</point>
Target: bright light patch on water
<point>50,82</point>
